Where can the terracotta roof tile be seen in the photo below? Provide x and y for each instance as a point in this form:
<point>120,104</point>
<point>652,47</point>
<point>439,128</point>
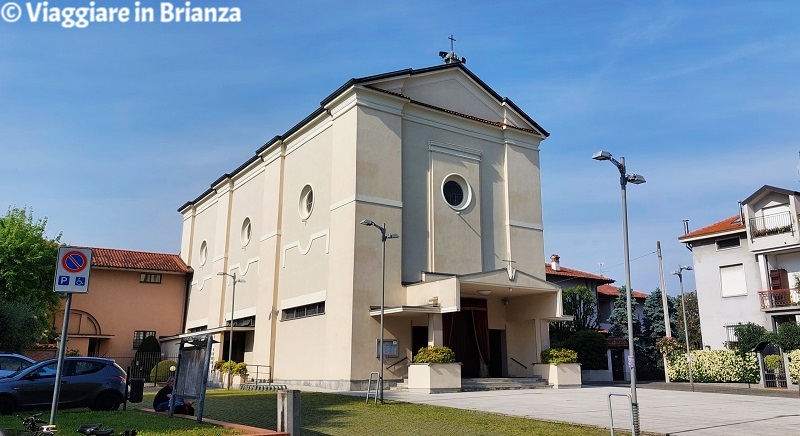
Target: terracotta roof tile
<point>569,272</point>
<point>613,291</point>
<point>733,223</point>
<point>113,258</point>
<point>616,343</point>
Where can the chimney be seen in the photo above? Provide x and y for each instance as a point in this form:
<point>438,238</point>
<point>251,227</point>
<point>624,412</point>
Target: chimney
<point>555,263</point>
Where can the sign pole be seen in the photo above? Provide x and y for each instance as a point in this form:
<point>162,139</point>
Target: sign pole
<point>72,276</point>
<point>62,351</point>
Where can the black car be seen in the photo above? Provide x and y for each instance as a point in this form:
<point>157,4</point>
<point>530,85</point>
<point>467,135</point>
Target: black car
<point>85,382</point>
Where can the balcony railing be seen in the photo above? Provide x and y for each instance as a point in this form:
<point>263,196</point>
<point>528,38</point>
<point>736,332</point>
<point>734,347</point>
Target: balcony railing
<point>778,298</point>
<point>774,224</point>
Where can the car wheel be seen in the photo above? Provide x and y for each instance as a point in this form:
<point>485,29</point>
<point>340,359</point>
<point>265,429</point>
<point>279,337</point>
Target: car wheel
<point>6,406</point>
<point>107,401</point>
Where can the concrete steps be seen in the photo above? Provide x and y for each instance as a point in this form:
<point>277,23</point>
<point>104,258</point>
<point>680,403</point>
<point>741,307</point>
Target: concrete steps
<point>490,384</point>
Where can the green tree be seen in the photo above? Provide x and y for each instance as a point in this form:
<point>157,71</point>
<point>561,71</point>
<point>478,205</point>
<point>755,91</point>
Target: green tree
<point>591,348</point>
<point>748,336</point>
<point>692,318</point>
<point>27,266</point>
<point>788,337</point>
<point>619,317</point>
<point>654,325</point>
<point>19,324</point>
<point>581,303</point>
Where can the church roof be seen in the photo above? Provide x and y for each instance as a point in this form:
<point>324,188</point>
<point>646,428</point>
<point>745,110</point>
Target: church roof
<point>366,81</point>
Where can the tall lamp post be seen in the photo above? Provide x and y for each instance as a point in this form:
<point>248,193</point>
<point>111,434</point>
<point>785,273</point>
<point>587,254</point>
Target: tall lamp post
<point>679,273</point>
<point>624,179</point>
<point>230,335</point>
<point>384,236</point>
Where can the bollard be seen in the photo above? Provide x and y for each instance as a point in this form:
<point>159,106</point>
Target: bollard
<point>289,412</point>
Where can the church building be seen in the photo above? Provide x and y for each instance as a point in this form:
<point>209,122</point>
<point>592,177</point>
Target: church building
<point>441,162</point>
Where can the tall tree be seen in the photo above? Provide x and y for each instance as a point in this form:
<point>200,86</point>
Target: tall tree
<point>654,316</point>
<point>654,324</point>
<point>619,317</point>
<point>581,303</point>
<point>27,265</point>
<point>692,318</point>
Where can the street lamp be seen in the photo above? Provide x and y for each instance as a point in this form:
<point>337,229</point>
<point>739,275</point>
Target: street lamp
<point>679,273</point>
<point>230,343</point>
<point>384,237</point>
<point>624,179</point>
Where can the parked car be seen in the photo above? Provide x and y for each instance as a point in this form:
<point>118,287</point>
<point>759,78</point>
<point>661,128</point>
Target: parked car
<point>85,382</point>
<point>11,363</point>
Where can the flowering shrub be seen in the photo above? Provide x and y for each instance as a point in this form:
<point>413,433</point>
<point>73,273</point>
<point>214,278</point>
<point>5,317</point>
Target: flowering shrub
<point>433,354</point>
<point>794,365</point>
<point>773,361</point>
<point>555,356</point>
<point>715,366</point>
<point>668,346</point>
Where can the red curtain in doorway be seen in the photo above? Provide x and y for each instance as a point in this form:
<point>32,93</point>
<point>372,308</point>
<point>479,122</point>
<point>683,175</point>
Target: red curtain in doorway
<point>447,328</point>
<point>480,320</point>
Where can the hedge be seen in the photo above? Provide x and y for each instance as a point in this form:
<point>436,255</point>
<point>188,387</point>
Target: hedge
<point>715,366</point>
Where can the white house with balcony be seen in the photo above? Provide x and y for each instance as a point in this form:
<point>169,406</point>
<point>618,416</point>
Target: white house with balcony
<point>747,267</point>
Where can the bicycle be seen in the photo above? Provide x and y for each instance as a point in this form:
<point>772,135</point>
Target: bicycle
<point>36,426</point>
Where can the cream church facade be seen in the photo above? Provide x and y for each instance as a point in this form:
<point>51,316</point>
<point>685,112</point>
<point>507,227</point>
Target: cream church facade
<point>443,161</point>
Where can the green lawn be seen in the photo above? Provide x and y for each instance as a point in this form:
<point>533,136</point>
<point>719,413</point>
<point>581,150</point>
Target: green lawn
<point>322,414</point>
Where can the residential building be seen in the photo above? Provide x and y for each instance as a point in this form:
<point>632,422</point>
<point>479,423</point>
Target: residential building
<point>607,297</point>
<point>131,295</point>
<point>434,155</point>
<point>747,267</point>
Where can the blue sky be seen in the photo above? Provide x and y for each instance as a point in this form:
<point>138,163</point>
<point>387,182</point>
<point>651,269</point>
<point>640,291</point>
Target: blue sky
<point>106,130</point>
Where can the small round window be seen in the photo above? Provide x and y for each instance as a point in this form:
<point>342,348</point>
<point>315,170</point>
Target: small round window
<point>247,231</point>
<point>456,192</point>
<point>203,253</point>
<point>306,202</point>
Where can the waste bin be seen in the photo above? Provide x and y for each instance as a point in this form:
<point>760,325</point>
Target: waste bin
<point>137,390</point>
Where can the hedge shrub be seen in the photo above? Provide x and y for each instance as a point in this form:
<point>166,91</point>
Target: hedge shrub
<point>433,354</point>
<point>773,361</point>
<point>715,366</point>
<point>161,372</point>
<point>556,356</point>
<point>794,365</point>
<point>591,348</point>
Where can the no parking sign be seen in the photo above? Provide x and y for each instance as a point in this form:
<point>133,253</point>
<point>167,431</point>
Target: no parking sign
<point>72,270</point>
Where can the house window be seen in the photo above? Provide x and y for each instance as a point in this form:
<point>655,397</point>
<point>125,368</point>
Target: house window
<point>304,311</point>
<point>730,335</point>
<point>139,335</point>
<point>732,280</point>
<point>149,278</point>
<point>724,244</point>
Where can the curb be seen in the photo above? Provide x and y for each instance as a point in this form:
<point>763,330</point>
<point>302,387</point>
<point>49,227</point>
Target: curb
<point>246,429</point>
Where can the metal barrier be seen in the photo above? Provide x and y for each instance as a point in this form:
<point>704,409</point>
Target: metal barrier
<point>611,413</point>
<point>369,386</point>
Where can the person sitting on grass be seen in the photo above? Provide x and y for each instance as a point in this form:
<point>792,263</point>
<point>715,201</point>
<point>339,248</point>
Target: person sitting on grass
<point>162,400</point>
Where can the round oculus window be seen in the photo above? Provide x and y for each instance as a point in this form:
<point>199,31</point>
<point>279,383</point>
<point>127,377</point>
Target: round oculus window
<point>306,205</point>
<point>456,192</point>
<point>247,232</point>
<point>203,253</point>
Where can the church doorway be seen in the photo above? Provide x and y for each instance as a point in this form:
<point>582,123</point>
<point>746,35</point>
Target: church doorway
<point>467,334</point>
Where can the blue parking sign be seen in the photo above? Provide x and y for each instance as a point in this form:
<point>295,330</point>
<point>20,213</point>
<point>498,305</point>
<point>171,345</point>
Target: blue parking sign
<point>80,281</point>
<point>63,280</point>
